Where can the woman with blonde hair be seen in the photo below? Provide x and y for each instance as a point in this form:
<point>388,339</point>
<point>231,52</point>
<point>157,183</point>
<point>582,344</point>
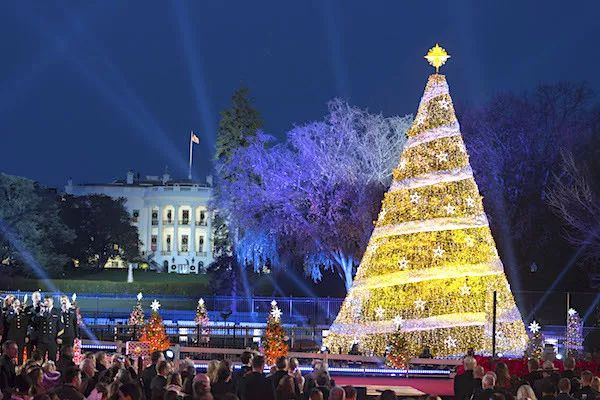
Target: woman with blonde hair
<point>525,392</point>
<point>211,370</point>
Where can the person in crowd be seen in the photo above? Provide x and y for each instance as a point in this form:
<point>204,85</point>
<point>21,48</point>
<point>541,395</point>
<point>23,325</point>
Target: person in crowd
<point>175,384</point>
<point>246,360</point>
<point>504,382</point>
<point>130,391</point>
<point>88,376</point>
<point>569,373</point>
<point>68,319</point>
<point>159,382</point>
<point>324,384</point>
<point>596,384</point>
<point>586,392</point>
<point>286,389</point>
<point>463,383</point>
<point>564,389</point>
<point>351,392</point>
<point>33,329</point>
<point>8,373</point>
<point>36,374</point>
<point>478,373</point>
<point>310,381</point>
<point>315,394</point>
<point>388,395</point>
<point>150,372</point>
<point>201,388</point>
<point>65,360</point>
<point>548,389</point>
<point>48,323</point>
<point>51,375</point>
<point>487,384</point>
<point>100,392</point>
<point>16,325</point>
<point>101,361</point>
<point>337,393</point>
<point>223,383</point>
<point>294,371</point>
<point>255,386</point>
<point>533,366</point>
<point>70,389</point>
<point>281,365</point>
<point>22,388</point>
<point>525,392</point>
<point>211,370</point>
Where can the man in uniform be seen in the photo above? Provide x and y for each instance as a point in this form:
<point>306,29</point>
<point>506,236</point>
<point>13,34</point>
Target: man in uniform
<point>68,319</point>
<point>17,321</point>
<point>49,325</point>
<point>33,330</point>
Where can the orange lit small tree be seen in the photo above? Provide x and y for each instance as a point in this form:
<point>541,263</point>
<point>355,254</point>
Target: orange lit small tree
<point>154,332</point>
<point>274,341</point>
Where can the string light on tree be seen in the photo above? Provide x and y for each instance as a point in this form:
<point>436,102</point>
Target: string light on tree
<point>444,104</point>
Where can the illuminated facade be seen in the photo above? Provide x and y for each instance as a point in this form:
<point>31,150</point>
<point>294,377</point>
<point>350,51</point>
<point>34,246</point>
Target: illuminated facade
<point>172,217</point>
<point>431,265</point>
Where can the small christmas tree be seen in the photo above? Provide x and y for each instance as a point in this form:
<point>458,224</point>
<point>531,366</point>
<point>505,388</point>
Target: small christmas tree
<point>535,346</point>
<point>274,342</point>
<point>136,318</point>
<point>202,321</point>
<point>574,340</point>
<point>398,356</point>
<point>154,333</point>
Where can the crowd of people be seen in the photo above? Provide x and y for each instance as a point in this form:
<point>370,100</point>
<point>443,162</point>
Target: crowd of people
<point>540,383</point>
<point>99,376</point>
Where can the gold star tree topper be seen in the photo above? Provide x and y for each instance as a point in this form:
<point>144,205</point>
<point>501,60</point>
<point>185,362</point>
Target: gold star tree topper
<point>437,57</point>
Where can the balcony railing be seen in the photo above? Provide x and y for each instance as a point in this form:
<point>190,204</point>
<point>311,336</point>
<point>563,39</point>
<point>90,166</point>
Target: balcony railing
<point>167,222</point>
<point>154,222</point>
<point>182,253</point>
<point>201,223</point>
<point>184,222</point>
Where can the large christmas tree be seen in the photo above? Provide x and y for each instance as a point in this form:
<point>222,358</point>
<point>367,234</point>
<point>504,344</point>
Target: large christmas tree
<point>431,265</point>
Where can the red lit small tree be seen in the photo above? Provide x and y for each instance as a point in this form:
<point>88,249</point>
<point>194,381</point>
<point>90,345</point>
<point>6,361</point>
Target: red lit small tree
<point>274,341</point>
<point>136,318</point>
<point>154,332</point>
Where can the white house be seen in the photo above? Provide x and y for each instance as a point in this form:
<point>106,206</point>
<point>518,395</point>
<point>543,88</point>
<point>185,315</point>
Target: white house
<point>172,218</point>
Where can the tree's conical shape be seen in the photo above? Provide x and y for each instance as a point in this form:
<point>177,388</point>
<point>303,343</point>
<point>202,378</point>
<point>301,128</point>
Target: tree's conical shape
<point>431,265</point>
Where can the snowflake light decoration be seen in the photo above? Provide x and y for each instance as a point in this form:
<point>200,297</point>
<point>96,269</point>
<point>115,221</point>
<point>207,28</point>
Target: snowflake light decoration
<point>442,157</point>
<point>275,311</point>
<point>534,327</point>
<point>201,302</point>
<point>139,296</point>
<point>420,304</point>
<point>445,104</point>
<point>450,342</point>
<point>155,305</point>
<point>450,209</point>
<point>438,252</point>
<point>465,290</point>
<point>398,321</point>
<point>415,197</point>
<point>470,202</point>
<point>469,241</point>
<point>403,263</point>
<point>571,312</point>
<point>380,312</point>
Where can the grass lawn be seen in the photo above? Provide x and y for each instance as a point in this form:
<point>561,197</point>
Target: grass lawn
<point>115,281</point>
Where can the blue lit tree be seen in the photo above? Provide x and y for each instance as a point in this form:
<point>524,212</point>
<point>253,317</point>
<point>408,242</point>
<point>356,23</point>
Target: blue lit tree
<point>313,198</point>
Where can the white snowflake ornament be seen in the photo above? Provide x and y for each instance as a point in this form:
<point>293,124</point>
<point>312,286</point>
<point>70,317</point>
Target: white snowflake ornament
<point>534,327</point>
<point>470,202</point>
<point>415,198</point>
<point>450,209</point>
<point>155,305</point>
<point>445,104</point>
<point>465,290</point>
<point>420,304</point>
<point>398,321</point>
<point>442,157</point>
<point>380,312</point>
<point>450,342</point>
<point>438,252</point>
<point>403,264</point>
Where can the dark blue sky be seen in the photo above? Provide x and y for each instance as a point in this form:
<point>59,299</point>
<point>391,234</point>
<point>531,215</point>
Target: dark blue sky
<point>91,89</point>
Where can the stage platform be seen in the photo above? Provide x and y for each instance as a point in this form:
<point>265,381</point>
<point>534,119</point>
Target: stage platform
<point>439,387</point>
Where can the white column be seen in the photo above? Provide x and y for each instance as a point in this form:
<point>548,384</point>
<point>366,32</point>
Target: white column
<point>159,236</point>
<point>148,225</point>
<point>208,239</point>
<point>192,238</point>
<point>175,238</point>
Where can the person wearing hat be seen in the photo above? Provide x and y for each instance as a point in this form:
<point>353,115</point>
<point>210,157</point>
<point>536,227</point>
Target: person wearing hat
<point>88,376</point>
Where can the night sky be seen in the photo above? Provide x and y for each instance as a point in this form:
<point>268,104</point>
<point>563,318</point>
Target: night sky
<point>92,89</point>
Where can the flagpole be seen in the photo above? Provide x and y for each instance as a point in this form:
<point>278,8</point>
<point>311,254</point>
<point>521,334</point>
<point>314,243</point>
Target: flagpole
<point>190,166</point>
